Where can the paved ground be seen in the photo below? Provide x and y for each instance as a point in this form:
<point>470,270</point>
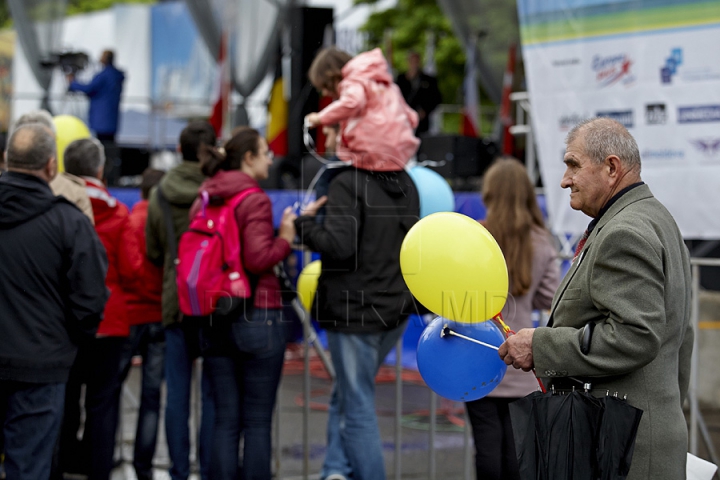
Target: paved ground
<point>449,461</point>
<point>416,463</point>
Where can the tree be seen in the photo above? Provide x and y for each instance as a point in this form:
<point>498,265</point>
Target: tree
<point>74,7</point>
<point>410,21</point>
<point>85,6</point>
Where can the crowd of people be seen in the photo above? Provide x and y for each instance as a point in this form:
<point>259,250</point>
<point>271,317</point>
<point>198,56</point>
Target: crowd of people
<point>86,289</point>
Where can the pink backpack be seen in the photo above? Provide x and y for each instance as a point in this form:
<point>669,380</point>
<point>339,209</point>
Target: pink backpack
<point>208,264</point>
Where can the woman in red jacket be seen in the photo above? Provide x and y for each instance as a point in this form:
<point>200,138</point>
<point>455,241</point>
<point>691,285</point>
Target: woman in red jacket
<point>98,361</point>
<point>245,355</point>
<point>142,282</point>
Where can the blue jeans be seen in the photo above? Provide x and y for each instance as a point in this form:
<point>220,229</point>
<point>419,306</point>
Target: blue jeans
<point>147,340</point>
<point>245,381</point>
<point>354,447</point>
<point>178,372</point>
<point>30,414</point>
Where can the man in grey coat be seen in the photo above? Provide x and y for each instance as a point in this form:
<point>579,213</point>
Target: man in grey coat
<point>621,316</point>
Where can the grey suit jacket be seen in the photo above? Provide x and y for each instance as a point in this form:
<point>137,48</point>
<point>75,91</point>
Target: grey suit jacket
<point>632,280</point>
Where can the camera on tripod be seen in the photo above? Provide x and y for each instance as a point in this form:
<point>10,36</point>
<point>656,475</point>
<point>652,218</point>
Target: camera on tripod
<point>69,62</point>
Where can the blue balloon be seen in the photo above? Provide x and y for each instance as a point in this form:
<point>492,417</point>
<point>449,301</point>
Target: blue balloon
<point>434,192</point>
<point>457,368</point>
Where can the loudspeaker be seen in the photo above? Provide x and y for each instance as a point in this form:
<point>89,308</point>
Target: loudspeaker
<point>463,156</point>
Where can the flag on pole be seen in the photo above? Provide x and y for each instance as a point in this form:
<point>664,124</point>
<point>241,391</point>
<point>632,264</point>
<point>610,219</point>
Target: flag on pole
<point>219,110</point>
<point>278,116</point>
<point>470,127</point>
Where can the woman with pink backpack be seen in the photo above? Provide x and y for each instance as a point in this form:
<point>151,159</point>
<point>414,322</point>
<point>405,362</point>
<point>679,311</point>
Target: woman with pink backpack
<point>246,336</point>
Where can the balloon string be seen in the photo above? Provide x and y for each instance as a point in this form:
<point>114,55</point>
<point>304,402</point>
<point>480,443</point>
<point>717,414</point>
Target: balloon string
<point>503,326</point>
<point>499,320</point>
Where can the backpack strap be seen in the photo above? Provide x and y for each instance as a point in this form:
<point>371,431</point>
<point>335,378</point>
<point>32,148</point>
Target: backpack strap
<point>167,214</point>
<point>234,204</point>
<point>239,197</point>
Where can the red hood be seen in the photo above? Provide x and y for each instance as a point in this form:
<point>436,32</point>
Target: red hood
<point>104,206</point>
<point>226,184</point>
<point>368,65</point>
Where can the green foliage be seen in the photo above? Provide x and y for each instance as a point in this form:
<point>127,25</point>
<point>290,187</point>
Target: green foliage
<point>85,6</point>
<point>73,7</point>
<point>410,21</point>
<point>4,15</point>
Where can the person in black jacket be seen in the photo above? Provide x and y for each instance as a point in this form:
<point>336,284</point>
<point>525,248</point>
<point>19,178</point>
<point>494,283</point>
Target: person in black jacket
<point>362,301</point>
<point>53,293</point>
<point>420,91</point>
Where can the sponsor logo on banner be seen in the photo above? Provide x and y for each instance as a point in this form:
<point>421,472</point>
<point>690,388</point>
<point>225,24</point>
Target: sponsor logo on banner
<point>699,114</point>
<point>655,114</point>
<point>671,65</point>
<point>623,116</point>
<point>662,154</point>
<point>710,147</point>
<point>688,73</point>
<point>565,62</point>
<point>612,69</point>
<point>566,122</point>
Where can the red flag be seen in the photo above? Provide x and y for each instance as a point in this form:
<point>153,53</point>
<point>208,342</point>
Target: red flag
<point>469,127</point>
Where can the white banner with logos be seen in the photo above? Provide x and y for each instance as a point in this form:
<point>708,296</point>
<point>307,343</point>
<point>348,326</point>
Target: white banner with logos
<point>663,84</point>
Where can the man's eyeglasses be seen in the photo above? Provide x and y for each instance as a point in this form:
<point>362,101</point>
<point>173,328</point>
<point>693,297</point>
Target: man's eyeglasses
<point>270,154</point>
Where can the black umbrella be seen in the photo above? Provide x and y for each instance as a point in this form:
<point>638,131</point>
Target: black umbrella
<point>616,438</point>
<point>573,436</point>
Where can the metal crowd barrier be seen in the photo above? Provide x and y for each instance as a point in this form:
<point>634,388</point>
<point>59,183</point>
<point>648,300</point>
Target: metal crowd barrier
<point>697,428</point>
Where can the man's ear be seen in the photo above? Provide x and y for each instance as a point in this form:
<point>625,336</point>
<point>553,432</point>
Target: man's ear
<point>614,167</point>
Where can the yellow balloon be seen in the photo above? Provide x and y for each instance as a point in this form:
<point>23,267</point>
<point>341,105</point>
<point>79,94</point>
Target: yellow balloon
<point>67,130</point>
<point>454,267</point>
<point>307,283</point>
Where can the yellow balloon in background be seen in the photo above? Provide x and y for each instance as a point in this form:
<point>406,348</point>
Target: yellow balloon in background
<point>454,267</point>
<point>67,130</point>
<point>307,283</point>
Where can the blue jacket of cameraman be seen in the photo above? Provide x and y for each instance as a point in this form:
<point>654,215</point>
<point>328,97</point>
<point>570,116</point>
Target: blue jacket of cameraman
<point>104,92</point>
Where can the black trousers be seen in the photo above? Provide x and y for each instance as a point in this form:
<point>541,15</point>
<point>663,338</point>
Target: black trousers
<point>97,365</point>
<point>495,457</point>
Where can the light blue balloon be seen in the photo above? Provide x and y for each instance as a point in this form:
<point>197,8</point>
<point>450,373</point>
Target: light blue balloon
<point>434,192</point>
<point>457,368</point>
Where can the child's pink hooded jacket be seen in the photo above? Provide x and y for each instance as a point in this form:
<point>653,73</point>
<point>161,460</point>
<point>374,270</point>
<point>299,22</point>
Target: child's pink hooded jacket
<point>376,125</point>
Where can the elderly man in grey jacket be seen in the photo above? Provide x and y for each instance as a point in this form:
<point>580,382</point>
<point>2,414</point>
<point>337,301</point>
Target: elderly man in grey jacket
<point>621,317</point>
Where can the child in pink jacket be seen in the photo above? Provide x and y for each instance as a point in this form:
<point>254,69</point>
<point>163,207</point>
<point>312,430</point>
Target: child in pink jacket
<point>376,125</point>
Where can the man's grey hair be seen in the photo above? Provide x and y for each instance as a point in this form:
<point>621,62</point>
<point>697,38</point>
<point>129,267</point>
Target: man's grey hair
<point>604,137</point>
<point>31,146</point>
<point>84,157</point>
<point>36,116</point>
